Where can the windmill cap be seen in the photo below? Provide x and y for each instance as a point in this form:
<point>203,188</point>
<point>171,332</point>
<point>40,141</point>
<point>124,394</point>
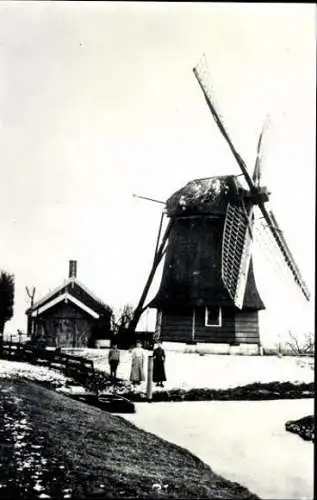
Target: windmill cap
<point>204,196</point>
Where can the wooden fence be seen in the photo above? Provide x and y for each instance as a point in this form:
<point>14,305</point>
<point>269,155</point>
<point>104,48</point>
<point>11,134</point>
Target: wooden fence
<point>76,367</point>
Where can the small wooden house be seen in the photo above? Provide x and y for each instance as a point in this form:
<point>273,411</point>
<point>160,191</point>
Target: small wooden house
<point>69,316</point>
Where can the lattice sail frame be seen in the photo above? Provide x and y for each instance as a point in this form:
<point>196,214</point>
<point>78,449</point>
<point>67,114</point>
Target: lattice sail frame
<point>201,74</point>
<point>236,251</point>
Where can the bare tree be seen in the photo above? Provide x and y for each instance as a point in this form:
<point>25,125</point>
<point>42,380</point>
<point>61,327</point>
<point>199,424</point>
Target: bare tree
<point>309,343</point>
<point>31,293</point>
<point>307,346</point>
<point>120,326</point>
<point>123,318</point>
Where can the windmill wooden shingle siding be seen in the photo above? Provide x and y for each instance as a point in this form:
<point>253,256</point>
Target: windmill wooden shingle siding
<point>69,316</point>
<point>193,301</point>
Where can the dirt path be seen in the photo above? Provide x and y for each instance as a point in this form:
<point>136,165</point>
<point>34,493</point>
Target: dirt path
<point>243,441</point>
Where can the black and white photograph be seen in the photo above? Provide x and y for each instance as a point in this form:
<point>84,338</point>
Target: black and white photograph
<point>157,250</point>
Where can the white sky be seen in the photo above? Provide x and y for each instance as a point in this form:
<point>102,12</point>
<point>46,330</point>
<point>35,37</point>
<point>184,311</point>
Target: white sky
<point>98,101</point>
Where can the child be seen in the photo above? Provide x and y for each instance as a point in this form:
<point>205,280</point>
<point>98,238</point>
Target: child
<point>114,359</point>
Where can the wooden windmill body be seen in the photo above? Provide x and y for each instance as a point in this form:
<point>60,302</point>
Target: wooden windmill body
<point>199,292</point>
<point>208,291</point>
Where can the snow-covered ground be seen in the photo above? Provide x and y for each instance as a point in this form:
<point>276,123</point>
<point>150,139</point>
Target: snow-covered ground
<point>191,370</point>
<point>9,369</point>
<point>183,370</point>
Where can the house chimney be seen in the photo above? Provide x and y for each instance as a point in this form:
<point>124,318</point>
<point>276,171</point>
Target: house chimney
<point>72,268</point>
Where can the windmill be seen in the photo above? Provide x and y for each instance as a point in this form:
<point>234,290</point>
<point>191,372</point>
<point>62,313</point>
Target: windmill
<point>208,291</point>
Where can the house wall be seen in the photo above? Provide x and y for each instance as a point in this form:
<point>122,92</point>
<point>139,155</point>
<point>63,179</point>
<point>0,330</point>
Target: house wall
<point>176,326</point>
<point>64,326</point>
<point>237,327</point>
<point>247,327</point>
<point>224,334</point>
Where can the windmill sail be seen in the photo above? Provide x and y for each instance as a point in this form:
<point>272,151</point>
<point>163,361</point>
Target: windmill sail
<point>257,173</point>
<point>287,254</point>
<point>208,97</point>
<point>236,252</point>
<point>258,194</point>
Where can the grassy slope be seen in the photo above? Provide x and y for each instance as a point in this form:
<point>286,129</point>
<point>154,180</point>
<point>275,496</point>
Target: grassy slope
<point>86,447</point>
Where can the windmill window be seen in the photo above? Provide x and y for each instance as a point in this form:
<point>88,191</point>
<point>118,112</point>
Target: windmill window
<point>213,316</point>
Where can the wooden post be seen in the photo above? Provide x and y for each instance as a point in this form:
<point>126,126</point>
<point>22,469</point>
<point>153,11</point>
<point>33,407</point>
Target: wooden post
<point>149,377</point>
<point>158,326</point>
<point>159,233</point>
<point>65,359</point>
<point>193,324</point>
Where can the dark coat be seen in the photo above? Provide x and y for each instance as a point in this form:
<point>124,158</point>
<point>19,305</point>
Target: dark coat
<point>158,365</point>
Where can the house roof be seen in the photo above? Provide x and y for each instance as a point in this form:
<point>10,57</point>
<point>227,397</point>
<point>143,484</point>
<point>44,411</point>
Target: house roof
<point>77,293</point>
<point>65,297</point>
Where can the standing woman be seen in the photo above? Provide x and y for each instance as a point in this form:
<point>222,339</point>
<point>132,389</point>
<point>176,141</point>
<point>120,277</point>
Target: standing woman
<point>137,364</point>
<point>159,365</point>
